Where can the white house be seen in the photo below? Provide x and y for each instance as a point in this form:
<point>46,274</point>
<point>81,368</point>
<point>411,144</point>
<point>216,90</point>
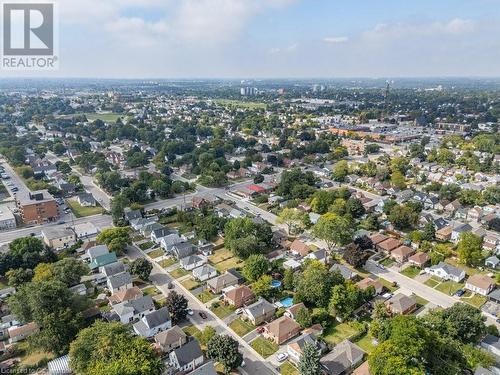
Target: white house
<point>85,230</point>
<point>446,271</point>
<point>119,281</point>
<point>480,284</point>
<point>134,309</point>
<point>153,323</point>
<point>204,272</point>
<point>191,262</point>
<point>187,357</point>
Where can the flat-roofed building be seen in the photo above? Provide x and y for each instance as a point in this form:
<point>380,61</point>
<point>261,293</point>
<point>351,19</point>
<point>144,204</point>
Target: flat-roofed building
<point>37,207</point>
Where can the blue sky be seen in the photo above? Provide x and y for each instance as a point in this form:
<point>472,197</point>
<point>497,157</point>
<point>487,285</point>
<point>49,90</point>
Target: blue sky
<point>277,38</point>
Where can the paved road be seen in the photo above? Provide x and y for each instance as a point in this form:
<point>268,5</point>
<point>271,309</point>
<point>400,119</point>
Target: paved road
<point>160,278</point>
<point>100,221</point>
<point>88,183</point>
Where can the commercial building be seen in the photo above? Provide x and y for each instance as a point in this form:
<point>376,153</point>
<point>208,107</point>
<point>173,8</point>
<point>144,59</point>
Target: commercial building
<point>7,218</point>
<point>37,207</point>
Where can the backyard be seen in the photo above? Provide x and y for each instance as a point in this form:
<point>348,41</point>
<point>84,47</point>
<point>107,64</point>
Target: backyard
<point>338,332</point>
<point>241,327</point>
<point>167,262</point>
<point>264,347</point>
<point>475,299</point>
<point>81,211</point>
<point>206,296</point>
<point>224,259</point>
<point>366,343</point>
<point>190,283</point>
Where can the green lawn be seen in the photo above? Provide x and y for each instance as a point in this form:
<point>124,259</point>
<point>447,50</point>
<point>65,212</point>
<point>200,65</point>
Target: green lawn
<point>411,271</point>
<point>264,347</point>
<point>206,296</point>
<point>229,263</point>
<point>240,104</point>
<point>432,282</point>
<point>475,300</point>
<point>167,262</point>
<point>222,310</point>
<point>449,287</point>
<point>107,117</point>
<point>387,262</point>
<point>178,273</point>
<point>388,285</point>
<point>366,343</point>
<point>156,253</point>
<point>220,255</point>
<point>420,301</point>
<point>191,331</point>
<point>288,369</point>
<point>241,327</point>
<point>81,211</point>
<point>336,333</point>
<point>151,291</point>
<point>146,245</point>
<point>190,284</point>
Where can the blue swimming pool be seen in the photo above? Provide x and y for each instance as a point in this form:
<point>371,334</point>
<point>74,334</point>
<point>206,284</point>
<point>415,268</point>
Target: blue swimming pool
<point>275,283</point>
<point>287,302</point>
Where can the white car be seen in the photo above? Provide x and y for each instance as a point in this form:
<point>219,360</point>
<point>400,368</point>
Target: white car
<point>239,311</point>
<point>281,357</point>
<point>190,312</point>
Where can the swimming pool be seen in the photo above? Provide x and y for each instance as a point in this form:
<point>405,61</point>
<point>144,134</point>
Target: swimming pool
<point>275,283</point>
<point>287,302</point>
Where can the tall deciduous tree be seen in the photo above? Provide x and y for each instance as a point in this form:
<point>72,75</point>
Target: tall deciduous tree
<point>293,218</point>
<point>177,306</point>
<point>255,266</point>
<point>469,248</point>
<point>224,349</point>
<point>333,229</point>
<point>141,268</point>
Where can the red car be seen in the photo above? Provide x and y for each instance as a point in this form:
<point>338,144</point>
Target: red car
<point>260,329</point>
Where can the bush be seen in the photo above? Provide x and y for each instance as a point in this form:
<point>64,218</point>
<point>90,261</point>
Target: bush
<point>280,312</point>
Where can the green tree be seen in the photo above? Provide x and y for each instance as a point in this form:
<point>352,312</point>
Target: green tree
<point>403,217</point>
<point>116,239</point>
<point>112,349</point>
<point>262,287</point>
<point>293,218</point>
<point>177,306</point>
<point>398,180</point>
<point>19,276</point>
<point>304,318</point>
<point>255,266</point>
<point>245,237</point>
<point>206,335</point>
<point>141,268</point>
<point>354,207</point>
<point>69,270</point>
<point>469,248</point>
<point>333,229</point>
<point>224,349</point>
<point>340,171</point>
<point>346,298</point>
<point>54,308</point>
<point>354,255</point>
<point>310,361</point>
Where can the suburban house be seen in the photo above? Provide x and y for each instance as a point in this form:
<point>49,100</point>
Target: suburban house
<point>86,200</point>
<point>281,330</point>
<point>125,295</point>
<point>103,260</point>
<point>299,248</point>
<point>170,339</point>
<point>84,230</point>
<point>119,281</point>
<point>182,250</point>
<point>402,253</point>
<point>217,284</point>
<point>204,272</point>
<point>57,238</point>
<point>95,251</point>
<point>169,241</point>
<point>157,234</point>
<point>139,223</point>
<point>295,348</point>
<point>239,296</point>
<point>345,271</point>
<point>388,245</point>
<point>444,234</point>
<point>401,304</point>
<point>191,262</point>
<point>19,333</point>
<point>378,238</point>
<point>492,262</point>
<point>455,234</point>
<point>131,215</point>
<point>320,255</point>
<point>153,323</point>
<point>342,359</point>
<point>133,309</point>
<point>366,283</point>
<point>446,271</point>
<point>480,284</point>
<point>186,357</point>
<point>292,311</point>
<point>112,269</point>
<point>259,312</point>
<point>205,369</point>
<point>419,260</point>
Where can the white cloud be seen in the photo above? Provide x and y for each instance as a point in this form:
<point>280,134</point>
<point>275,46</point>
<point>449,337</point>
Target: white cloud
<point>335,39</point>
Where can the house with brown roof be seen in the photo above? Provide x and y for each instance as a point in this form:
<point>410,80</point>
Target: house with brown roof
<point>480,284</point>
<point>366,283</point>
<point>388,245</point>
<point>125,295</point>
<point>281,330</point>
<point>20,333</point>
<point>419,259</point>
<point>292,311</point>
<point>342,359</point>
<point>170,339</point>
<point>444,234</point>
<point>402,253</point>
<point>239,296</point>
<point>401,304</point>
<point>299,248</point>
<point>378,238</point>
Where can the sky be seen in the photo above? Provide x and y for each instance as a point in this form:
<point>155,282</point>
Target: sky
<point>276,38</point>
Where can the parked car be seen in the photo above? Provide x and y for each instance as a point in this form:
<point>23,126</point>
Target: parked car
<point>281,357</point>
<point>203,315</point>
<point>190,312</point>
<point>260,329</point>
<point>239,311</point>
<point>460,293</point>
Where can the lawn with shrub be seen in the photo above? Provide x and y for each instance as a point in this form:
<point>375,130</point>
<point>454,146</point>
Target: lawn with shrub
<point>264,347</point>
<point>178,273</point>
<point>241,327</point>
<point>156,253</point>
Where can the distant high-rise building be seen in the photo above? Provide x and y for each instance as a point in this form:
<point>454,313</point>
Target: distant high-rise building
<point>248,91</point>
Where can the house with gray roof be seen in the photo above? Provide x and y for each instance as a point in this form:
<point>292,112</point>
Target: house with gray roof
<point>491,344</point>
<point>206,369</point>
<point>217,284</point>
<point>345,271</point>
<point>119,281</point>
<point>204,272</point>
<point>446,271</point>
<point>455,234</point>
<point>95,251</point>
<point>131,215</point>
<point>193,261</point>
<point>158,233</point>
<point>153,323</point>
<point>134,309</point>
<point>112,269</point>
<point>170,339</point>
<point>342,359</point>
<point>187,357</point>
<point>260,311</point>
<point>183,249</point>
<point>169,241</point>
